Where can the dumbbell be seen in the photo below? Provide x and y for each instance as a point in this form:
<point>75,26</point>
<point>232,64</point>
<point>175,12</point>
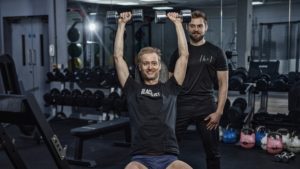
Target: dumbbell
<point>68,97</point>
<point>108,102</point>
<point>98,98</point>
<point>85,75</point>
<point>59,76</point>
<point>113,16</point>
<point>69,76</point>
<point>50,77</point>
<point>76,95</point>
<point>119,104</point>
<point>51,97</point>
<point>62,98</point>
<point>236,112</point>
<point>110,78</point>
<point>238,78</point>
<point>263,82</point>
<point>97,74</point>
<point>281,83</point>
<point>161,16</point>
<point>85,99</point>
<point>76,76</point>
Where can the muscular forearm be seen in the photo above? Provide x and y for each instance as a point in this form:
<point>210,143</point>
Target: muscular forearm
<point>120,64</point>
<point>182,43</point>
<point>222,96</point>
<point>119,41</point>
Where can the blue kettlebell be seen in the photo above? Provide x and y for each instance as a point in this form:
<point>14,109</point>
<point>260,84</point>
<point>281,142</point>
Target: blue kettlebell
<point>259,134</point>
<point>229,135</point>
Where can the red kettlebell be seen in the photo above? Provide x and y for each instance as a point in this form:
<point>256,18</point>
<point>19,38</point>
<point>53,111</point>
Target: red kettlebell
<point>274,143</point>
<point>247,138</point>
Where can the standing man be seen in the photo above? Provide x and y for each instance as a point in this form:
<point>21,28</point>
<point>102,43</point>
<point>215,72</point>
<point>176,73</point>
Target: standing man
<point>151,104</point>
<point>206,66</point>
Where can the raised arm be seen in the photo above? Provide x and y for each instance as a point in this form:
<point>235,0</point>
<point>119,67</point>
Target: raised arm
<point>181,63</point>
<point>120,64</point>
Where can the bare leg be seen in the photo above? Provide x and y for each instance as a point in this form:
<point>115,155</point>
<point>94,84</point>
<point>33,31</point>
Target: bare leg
<point>135,165</point>
<point>179,165</point>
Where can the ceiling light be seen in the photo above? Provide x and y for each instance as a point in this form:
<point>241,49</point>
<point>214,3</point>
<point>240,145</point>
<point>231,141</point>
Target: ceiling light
<point>151,0</point>
<point>93,13</point>
<point>127,3</point>
<point>162,8</point>
<point>257,2</point>
<point>92,26</point>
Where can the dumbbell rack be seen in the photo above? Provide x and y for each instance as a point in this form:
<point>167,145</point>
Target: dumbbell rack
<point>82,85</point>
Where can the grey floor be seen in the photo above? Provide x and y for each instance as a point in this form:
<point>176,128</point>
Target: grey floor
<point>107,156</point>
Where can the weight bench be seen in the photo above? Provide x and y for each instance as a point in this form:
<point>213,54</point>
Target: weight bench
<point>94,130</point>
<point>24,109</point>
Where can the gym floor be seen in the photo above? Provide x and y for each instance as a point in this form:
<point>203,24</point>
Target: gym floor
<point>108,156</point>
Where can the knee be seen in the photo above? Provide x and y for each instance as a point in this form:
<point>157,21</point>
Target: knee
<point>179,165</point>
<point>135,165</point>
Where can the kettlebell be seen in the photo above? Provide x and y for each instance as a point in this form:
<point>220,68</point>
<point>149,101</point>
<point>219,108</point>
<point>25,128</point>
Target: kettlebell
<point>285,136</point>
<point>293,144</point>
<point>274,143</point>
<point>247,138</point>
<point>229,135</point>
<point>263,142</point>
<point>260,132</point>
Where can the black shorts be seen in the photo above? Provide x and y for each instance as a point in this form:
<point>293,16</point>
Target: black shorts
<point>155,161</point>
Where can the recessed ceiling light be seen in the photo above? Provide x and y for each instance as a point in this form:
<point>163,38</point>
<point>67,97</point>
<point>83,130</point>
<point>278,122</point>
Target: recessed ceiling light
<point>127,3</point>
<point>93,13</point>
<point>257,2</point>
<point>162,8</point>
<point>151,0</point>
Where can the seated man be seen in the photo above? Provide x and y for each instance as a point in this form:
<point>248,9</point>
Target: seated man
<point>152,104</point>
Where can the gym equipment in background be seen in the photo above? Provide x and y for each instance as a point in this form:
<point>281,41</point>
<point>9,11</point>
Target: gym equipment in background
<point>24,110</point>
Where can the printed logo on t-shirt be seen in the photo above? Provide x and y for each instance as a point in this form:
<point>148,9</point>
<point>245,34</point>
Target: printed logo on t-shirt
<point>206,59</point>
<point>150,93</point>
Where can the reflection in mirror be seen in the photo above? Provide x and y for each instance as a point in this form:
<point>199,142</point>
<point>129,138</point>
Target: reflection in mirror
<point>276,34</point>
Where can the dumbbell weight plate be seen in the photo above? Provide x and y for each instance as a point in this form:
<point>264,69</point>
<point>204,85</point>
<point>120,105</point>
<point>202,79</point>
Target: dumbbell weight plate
<point>65,97</point>
<point>137,15</point>
<point>112,17</point>
<point>75,50</point>
<point>186,15</point>
<point>76,95</point>
<point>240,102</point>
<point>73,34</point>
<point>99,96</point>
<point>160,16</point>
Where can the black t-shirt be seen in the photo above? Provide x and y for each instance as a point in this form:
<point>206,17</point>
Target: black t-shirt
<point>152,112</point>
<point>198,86</point>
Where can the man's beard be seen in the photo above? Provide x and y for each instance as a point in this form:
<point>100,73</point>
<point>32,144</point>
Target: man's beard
<point>196,39</point>
<point>145,77</point>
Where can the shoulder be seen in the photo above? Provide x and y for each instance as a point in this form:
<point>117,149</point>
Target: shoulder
<point>214,49</point>
<point>171,86</point>
<point>212,46</point>
<point>130,84</point>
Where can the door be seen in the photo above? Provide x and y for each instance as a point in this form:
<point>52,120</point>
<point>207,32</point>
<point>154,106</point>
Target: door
<point>29,43</point>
